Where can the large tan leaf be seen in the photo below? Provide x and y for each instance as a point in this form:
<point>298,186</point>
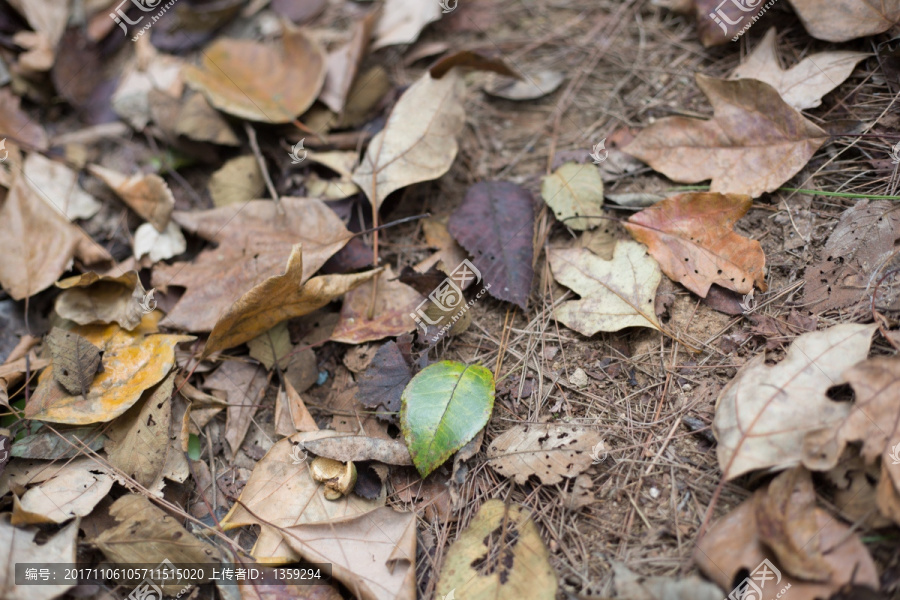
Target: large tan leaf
<point>144,534</point>
<point>734,545</point>
<point>803,85</point>
<point>842,20</point>
<point>278,299</point>
<point>753,144</point>
<point>147,195</point>
<point>72,491</point>
<point>133,361</point>
<point>91,298</point>
<point>615,294</point>
<point>254,243</point>
<point>283,493</point>
<point>500,556</point>
<point>268,82</point>
<point>17,545</point>
<point>402,21</point>
<point>765,413</point>
<point>418,142</point>
<point>549,452</point>
<point>692,236</point>
<point>575,193</point>
<point>373,555</point>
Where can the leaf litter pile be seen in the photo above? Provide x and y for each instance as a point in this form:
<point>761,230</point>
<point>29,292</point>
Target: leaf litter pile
<point>467,300</point>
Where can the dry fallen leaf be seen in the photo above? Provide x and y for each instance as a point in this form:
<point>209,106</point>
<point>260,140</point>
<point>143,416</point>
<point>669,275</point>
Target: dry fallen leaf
<point>291,414</point>
<point>753,144</point>
<point>346,448</point>
<point>277,299</point>
<point>383,382</point>
<point>17,544</point>
<point>254,244</point>
<point>501,556</point>
<point>842,20</point>
<point>72,491</point>
<point>615,294</point>
<point>147,195</point>
<point>75,360</point>
<point>572,191</point>
<point>692,236</point>
<point>150,71</point>
<point>199,121</point>
<point>733,545</point>
<point>57,185</point>
<point>267,82</point>
<point>373,554</point>
<point>90,298</point>
<point>549,452</point>
<point>765,413</point>
<point>14,119</point>
<point>803,85</point>
<point>631,586</point>
<point>418,142</point>
<point>402,21</point>
<point>244,385</point>
<point>158,246</point>
<point>530,87</point>
<point>394,301</point>
<point>343,63</point>
<point>237,181</point>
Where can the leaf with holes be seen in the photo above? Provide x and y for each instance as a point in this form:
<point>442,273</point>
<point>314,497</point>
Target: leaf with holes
<point>549,452</point>
<point>495,224</point>
<point>444,406</point>
<point>75,359</point>
<point>692,236</point>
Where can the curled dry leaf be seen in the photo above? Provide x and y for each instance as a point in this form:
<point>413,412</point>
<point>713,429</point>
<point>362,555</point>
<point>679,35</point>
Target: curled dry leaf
<point>530,87</point>
<point>764,415</point>
<point>277,299</point>
<point>291,414</point>
<point>495,223</point>
<point>267,82</point>
<point>418,142</point>
<point>842,20</point>
<point>734,545</point>
<point>402,21</point>
<point>549,452</point>
<point>394,302</point>
<point>17,544</point>
<point>615,293</point>
<point>75,360</point>
<point>343,64</point>
<point>472,59</point>
<point>254,242</point>
<point>692,236</point>
<point>90,298</point>
<point>158,246</point>
<point>73,490</point>
<point>753,144</point>
<point>500,556</point>
<point>147,195</point>
<point>575,195</point>
<point>347,448</point>
<point>133,361</point>
<point>803,85</point>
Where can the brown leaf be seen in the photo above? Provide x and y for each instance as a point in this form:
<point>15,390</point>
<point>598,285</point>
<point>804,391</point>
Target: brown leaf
<point>199,121</point>
<point>244,385</point>
<point>75,360</point>
<point>238,181</point>
<point>277,299</point>
<point>382,384</point>
<point>347,448</point>
<point>733,545</point>
<point>803,85</point>
<point>291,414</point>
<point>472,59</point>
<point>147,195</point>
<point>495,223</point>
<point>394,301</point>
<point>272,346</point>
<point>254,243</point>
<point>765,413</point>
<point>842,20</point>
<point>549,452</point>
<point>57,185</point>
<point>17,544</point>
<point>73,490</point>
<point>90,298</point>
<point>631,586</point>
<point>343,63</point>
<point>753,144</point>
<point>692,236</point>
<point>861,245</point>
<point>431,495</point>
<point>13,120</point>
<point>267,82</point>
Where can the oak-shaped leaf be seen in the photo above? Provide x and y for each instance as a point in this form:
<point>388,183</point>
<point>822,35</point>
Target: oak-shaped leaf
<point>444,406</point>
<point>692,236</point>
<point>803,85</point>
<point>753,144</point>
<point>765,414</point>
<point>495,224</point>
<point>615,294</point>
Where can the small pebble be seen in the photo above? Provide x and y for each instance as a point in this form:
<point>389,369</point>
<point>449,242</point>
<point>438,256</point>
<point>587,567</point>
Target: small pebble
<point>322,378</point>
<point>578,378</point>
<point>654,493</point>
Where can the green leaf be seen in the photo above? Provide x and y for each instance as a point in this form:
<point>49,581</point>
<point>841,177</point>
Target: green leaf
<point>193,447</point>
<point>444,406</point>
